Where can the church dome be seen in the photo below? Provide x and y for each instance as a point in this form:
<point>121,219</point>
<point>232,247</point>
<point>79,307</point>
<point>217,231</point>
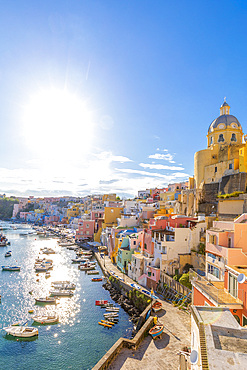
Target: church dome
<point>224,121</point>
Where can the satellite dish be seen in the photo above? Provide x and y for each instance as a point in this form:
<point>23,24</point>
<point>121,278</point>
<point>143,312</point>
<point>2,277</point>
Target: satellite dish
<point>194,357</point>
<point>241,278</point>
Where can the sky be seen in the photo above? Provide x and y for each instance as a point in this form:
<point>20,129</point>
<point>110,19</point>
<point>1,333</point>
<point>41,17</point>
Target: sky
<point>106,96</point>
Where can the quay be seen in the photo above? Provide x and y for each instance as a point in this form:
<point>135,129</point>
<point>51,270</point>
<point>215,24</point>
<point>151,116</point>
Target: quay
<point>142,352</point>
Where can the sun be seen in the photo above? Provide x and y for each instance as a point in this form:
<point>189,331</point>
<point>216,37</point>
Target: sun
<point>57,123</point>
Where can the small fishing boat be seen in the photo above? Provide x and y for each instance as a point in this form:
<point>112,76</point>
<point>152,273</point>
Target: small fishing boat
<point>67,285</point>
<point>8,254</point>
<point>11,268</point>
<point>93,272</point>
<point>61,293</point>
<point>97,279</point>
<point>100,302</point>
<point>41,268</point>
<point>112,309</point>
<point>80,260</point>
<point>156,331</point>
<point>46,300</point>
<point>157,306</point>
<point>46,319</point>
<point>104,324</point>
<point>21,331</point>
<point>86,268</point>
<point>111,314</point>
<point>108,322</point>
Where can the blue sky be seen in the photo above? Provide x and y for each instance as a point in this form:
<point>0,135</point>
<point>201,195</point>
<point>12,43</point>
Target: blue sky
<point>114,96</point>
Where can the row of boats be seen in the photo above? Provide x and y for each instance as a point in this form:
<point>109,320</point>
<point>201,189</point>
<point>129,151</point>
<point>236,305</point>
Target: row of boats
<point>111,315</point>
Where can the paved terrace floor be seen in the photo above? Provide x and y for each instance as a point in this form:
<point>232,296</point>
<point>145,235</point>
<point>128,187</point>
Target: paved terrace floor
<point>159,353</point>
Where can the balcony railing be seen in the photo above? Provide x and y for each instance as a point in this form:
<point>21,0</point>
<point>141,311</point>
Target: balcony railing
<point>216,292</point>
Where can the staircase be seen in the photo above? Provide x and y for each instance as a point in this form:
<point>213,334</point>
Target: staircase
<point>204,355</point>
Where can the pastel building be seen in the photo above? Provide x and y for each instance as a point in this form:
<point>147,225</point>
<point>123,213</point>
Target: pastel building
<point>225,245</point>
<point>85,230</point>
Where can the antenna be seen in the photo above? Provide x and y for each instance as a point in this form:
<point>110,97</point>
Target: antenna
<point>241,278</point>
<point>194,357</point>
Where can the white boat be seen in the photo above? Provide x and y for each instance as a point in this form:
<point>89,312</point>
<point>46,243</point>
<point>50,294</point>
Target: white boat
<point>46,300</point>
<point>41,268</point>
<point>21,331</point>
<point>48,251</point>
<point>61,293</point>
<point>47,274</point>
<point>86,267</point>
<point>111,314</point>
<point>93,272</point>
<point>63,286</point>
<point>46,319</point>
<point>80,260</point>
<point>112,309</point>
<point>8,254</point>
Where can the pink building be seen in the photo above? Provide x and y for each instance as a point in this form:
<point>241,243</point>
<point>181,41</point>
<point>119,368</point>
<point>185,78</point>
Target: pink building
<point>162,222</point>
<point>85,230</point>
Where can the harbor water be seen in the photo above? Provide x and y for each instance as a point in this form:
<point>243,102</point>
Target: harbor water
<point>77,341</point>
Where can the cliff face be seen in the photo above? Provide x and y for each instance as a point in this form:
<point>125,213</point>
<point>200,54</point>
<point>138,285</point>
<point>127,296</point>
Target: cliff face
<point>6,207</point>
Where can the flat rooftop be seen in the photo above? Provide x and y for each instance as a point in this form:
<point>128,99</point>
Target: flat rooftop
<point>226,340</point>
<point>240,269</point>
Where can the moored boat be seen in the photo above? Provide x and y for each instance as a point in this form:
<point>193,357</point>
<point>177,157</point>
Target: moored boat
<point>8,254</point>
<point>100,302</point>
<point>67,285</point>
<point>97,279</point>
<point>61,293</point>
<point>156,331</point>
<point>157,306</point>
<point>93,272</point>
<point>104,324</point>
<point>21,331</point>
<point>46,300</point>
<point>11,268</point>
<point>46,319</point>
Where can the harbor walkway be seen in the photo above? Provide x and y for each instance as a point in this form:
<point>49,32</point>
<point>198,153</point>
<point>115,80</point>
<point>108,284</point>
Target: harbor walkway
<point>159,353</point>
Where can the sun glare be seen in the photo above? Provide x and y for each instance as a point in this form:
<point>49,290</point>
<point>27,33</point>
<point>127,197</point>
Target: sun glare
<point>57,123</point>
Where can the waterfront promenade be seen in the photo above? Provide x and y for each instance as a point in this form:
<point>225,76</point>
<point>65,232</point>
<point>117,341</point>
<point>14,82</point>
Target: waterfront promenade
<point>160,353</point>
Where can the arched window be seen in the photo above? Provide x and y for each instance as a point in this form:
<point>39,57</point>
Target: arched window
<point>233,138</point>
<point>211,140</point>
<point>221,138</point>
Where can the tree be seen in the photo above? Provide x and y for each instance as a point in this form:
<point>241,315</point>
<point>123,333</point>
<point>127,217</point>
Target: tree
<point>185,280</point>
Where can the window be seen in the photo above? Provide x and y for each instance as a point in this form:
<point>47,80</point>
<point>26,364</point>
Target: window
<point>244,320</point>
<point>232,285</point>
<point>215,169</point>
<point>213,271</point>
<point>211,140</point>
<point>233,138</point>
<point>230,166</point>
<point>134,242</point>
<point>87,232</point>
<point>221,138</point>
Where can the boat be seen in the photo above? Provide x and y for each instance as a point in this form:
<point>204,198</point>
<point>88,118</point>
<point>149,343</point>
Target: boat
<point>41,268</point>
<point>93,272</point>
<point>11,268</point>
<point>63,285</point>
<point>111,314</point>
<point>46,300</point>
<point>8,254</point>
<point>112,309</point>
<point>104,324</point>
<point>48,251</point>
<point>157,306</point>
<point>97,279</point>
<point>61,293</point>
<point>80,260</point>
<point>156,331</point>
<point>108,322</point>
<point>46,319</point>
<point>47,274</point>
<point>21,331</point>
<point>100,302</point>
<point>86,268</point>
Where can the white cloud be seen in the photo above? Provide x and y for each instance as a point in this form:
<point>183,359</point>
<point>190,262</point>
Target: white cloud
<point>166,157</point>
<point>161,167</point>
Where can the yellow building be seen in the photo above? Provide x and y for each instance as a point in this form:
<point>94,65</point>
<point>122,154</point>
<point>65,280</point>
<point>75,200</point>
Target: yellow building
<point>222,156</point>
<point>109,197</point>
<point>111,215</point>
<point>73,211</point>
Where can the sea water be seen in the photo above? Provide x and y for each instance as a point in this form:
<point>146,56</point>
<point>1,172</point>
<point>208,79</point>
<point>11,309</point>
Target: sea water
<point>77,341</point>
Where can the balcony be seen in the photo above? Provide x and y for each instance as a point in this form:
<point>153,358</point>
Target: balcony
<point>216,293</point>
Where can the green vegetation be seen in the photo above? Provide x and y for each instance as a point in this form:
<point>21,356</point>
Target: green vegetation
<point>6,207</point>
<point>234,194</point>
<point>185,280</point>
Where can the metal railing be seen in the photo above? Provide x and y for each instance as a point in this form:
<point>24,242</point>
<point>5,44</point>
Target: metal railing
<point>220,296</point>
